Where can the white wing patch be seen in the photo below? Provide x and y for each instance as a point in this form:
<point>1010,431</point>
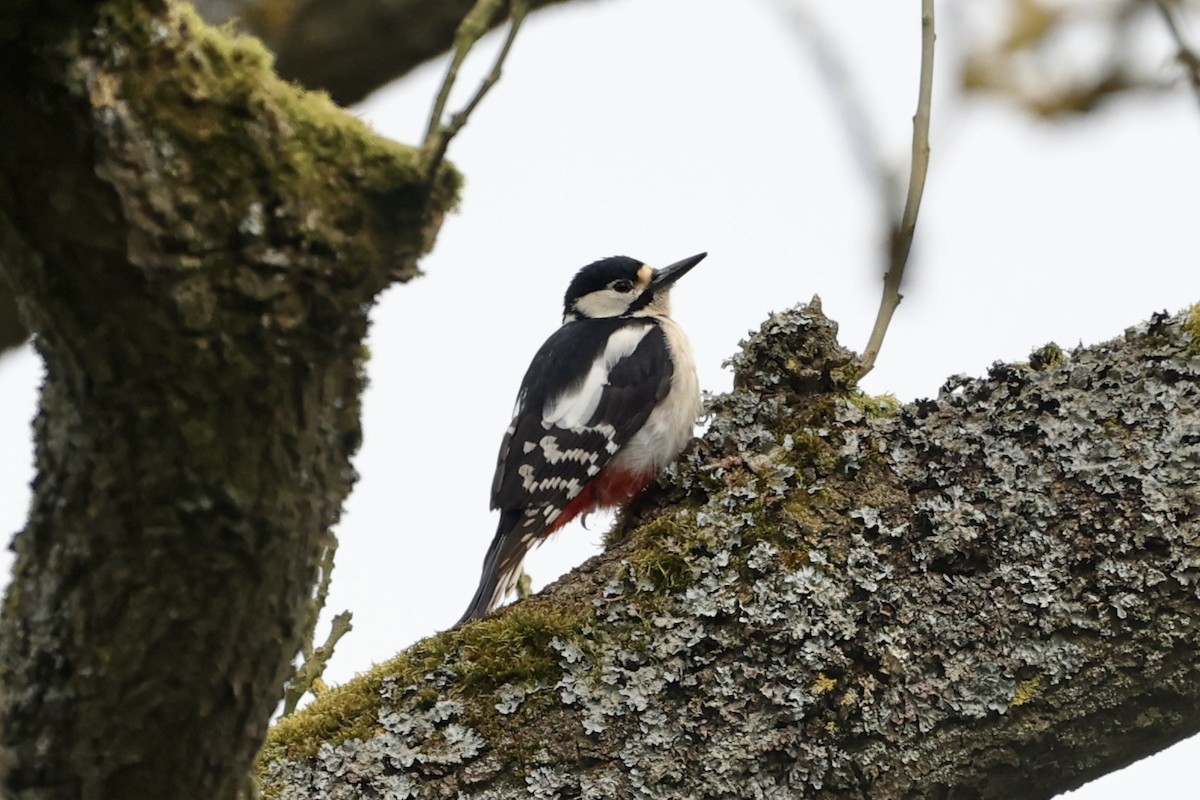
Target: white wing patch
<point>531,484</point>
<point>575,407</point>
<point>554,454</point>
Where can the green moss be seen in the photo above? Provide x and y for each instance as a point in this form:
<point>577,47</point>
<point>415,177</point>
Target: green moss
<point>339,714</point>
<point>1150,718</point>
<point>514,646</point>
<point>511,646</point>
<point>807,510</point>
<point>812,453</point>
<point>662,550</point>
<point>230,129</point>
<point>1192,325</point>
<point>665,571</point>
<point>1048,356</point>
<point>1026,690</point>
<point>875,405</point>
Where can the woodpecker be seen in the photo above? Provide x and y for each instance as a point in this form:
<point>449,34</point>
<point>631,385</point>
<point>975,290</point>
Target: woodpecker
<point>608,401</point>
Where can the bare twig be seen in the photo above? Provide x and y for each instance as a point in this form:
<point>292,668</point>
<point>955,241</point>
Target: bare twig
<point>901,237</point>
<point>1187,55</point>
<point>307,676</point>
<point>475,24</point>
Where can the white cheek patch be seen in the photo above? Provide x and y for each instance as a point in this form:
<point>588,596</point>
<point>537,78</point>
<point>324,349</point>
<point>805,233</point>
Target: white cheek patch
<point>603,303</point>
<point>575,407</point>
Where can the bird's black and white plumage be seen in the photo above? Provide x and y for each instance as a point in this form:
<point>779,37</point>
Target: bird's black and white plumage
<point>609,400</point>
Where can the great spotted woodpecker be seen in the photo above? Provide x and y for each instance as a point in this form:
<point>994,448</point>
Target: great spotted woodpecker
<point>609,400</point>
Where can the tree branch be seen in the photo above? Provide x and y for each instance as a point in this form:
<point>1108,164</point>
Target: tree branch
<point>195,243</point>
<point>12,332</point>
<point>1186,55</point>
<point>313,660</point>
<point>901,236</point>
<point>349,47</point>
<point>987,594</point>
<point>474,26</point>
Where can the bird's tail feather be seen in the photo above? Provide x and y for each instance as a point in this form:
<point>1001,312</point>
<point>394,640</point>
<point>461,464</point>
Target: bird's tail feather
<point>501,565</point>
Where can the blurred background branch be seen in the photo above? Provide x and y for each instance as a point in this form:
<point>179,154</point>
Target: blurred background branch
<point>845,96</point>
<point>348,48</point>
<point>1037,58</point>
<point>1187,55</point>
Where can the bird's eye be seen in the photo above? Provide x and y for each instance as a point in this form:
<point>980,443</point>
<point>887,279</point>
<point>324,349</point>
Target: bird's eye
<point>622,286</point>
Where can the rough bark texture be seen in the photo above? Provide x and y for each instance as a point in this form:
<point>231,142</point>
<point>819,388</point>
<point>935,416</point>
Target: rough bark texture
<point>12,332</point>
<point>195,244</point>
<point>349,48</point>
<point>990,594</point>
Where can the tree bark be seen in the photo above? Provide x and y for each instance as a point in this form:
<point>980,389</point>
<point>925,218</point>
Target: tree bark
<point>195,244</point>
<point>348,48</point>
<point>990,594</point>
<point>12,332</point>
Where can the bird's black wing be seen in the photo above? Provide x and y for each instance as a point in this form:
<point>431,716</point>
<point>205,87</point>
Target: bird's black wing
<point>590,388</point>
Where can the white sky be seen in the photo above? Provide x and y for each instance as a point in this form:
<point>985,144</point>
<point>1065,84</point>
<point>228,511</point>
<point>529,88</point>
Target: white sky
<point>658,129</point>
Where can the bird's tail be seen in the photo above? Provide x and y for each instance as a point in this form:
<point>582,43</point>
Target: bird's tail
<point>502,564</point>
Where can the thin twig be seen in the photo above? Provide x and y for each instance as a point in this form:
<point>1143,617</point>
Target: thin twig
<point>470,30</point>
<point>901,238</point>
<point>474,25</point>
<point>1187,56</point>
<point>307,676</point>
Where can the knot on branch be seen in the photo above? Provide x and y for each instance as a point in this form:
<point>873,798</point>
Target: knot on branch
<point>794,352</point>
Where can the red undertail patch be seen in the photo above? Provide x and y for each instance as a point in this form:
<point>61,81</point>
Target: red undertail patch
<point>609,489</point>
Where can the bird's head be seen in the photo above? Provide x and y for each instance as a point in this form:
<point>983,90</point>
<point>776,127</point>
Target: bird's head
<point>620,286</point>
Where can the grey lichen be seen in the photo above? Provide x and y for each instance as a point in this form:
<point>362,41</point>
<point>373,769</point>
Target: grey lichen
<point>387,764</point>
<point>840,597</point>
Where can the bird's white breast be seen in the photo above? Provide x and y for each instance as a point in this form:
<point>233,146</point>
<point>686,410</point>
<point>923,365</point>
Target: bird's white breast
<point>671,425</point>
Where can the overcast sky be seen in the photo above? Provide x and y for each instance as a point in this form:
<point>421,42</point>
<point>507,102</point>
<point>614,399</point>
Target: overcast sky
<point>661,128</point>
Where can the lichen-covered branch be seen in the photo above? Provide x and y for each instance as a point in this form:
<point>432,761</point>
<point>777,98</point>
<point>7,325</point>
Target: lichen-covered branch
<point>992,593</point>
<point>195,244</point>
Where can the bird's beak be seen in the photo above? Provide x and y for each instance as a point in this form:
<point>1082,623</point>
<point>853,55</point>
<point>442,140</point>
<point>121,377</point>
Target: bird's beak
<point>664,277</point>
